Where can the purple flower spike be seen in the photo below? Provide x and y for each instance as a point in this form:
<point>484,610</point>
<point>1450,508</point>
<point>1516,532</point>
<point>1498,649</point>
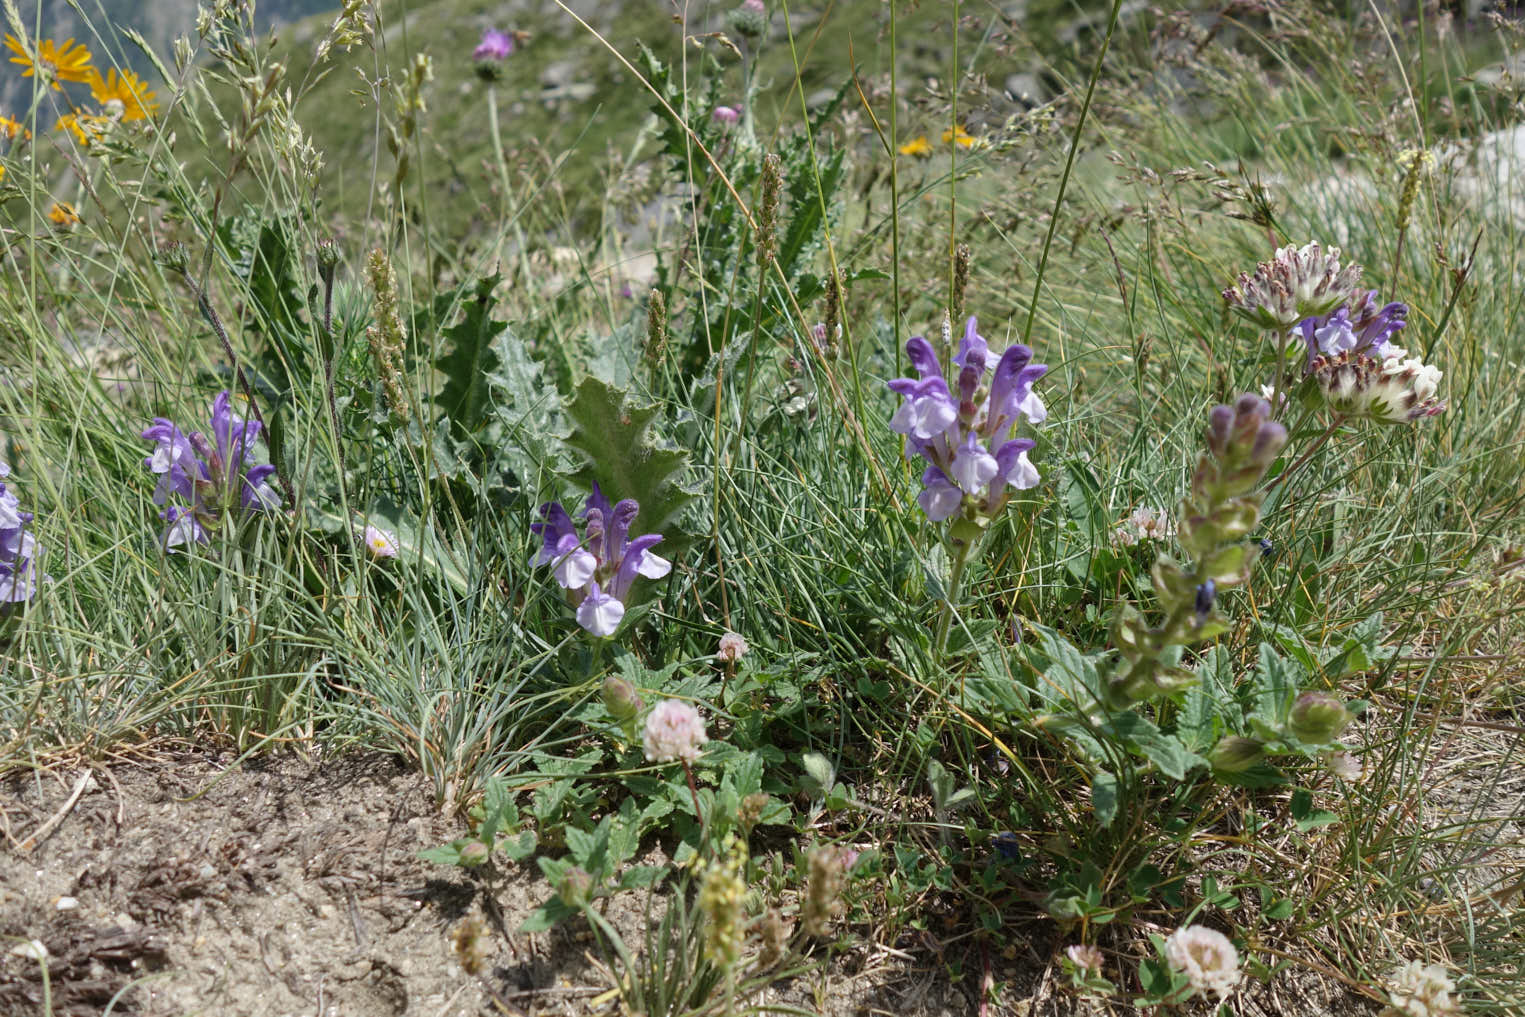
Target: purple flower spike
<point>597,570</point>
<point>217,476</point>
<point>495,45</point>
<point>956,438</point>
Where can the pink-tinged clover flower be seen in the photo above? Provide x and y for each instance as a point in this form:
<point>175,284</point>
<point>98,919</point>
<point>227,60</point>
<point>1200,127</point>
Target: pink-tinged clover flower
<point>732,647</point>
<point>963,432</point>
<point>217,475</point>
<point>674,731</point>
<point>1206,957</point>
<point>598,568</point>
<point>726,115</point>
<point>495,45</point>
<point>18,551</point>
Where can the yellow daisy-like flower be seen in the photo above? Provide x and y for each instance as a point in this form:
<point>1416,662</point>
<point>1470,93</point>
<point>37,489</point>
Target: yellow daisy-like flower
<point>959,137</point>
<point>68,62</point>
<point>62,214</point>
<point>918,145</point>
<point>84,126</point>
<point>10,127</point>
<point>125,90</point>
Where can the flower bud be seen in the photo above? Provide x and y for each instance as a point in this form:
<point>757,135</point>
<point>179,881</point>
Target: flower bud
<point>328,256</point>
<point>1234,754</point>
<point>621,700</point>
<point>575,886</point>
<point>475,854</point>
<point>1318,717</point>
<point>749,814</point>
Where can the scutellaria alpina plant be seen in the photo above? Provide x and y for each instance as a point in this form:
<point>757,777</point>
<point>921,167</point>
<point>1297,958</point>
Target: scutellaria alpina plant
<point>598,569</point>
<point>964,434</point>
<point>215,478</point>
<point>1221,510</point>
<point>18,549</point>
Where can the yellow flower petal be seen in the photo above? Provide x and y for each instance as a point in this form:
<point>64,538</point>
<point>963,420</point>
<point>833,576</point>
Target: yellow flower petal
<point>69,62</point>
<point>918,145</point>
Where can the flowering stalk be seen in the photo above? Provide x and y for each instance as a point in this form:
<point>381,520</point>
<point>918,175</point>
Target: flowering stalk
<point>597,571</point>
<point>973,462</point>
<point>1222,508</point>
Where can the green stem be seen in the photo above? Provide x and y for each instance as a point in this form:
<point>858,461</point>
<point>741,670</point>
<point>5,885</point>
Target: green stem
<point>961,553</point>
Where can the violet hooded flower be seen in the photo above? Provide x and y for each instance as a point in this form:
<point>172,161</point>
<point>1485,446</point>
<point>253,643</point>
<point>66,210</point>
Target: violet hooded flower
<point>599,568</point>
<point>964,431</point>
<point>18,551</point>
<point>217,476</point>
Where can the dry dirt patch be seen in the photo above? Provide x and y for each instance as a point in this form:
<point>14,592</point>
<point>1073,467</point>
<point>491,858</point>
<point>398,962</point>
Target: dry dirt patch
<point>190,886</point>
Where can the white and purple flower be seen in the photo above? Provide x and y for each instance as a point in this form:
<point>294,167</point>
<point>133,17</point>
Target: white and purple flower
<point>598,569</point>
<point>216,475</point>
<point>965,435</point>
<point>18,551</point>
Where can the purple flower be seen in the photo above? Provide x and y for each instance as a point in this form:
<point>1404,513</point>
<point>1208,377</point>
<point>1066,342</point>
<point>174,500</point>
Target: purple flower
<point>726,115</point>
<point>1358,327</point>
<point>964,432</point>
<point>216,476</point>
<point>18,551</point>
<point>597,569</point>
<point>495,45</point>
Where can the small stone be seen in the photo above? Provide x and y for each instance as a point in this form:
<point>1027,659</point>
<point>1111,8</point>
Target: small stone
<point>32,949</point>
<point>66,903</point>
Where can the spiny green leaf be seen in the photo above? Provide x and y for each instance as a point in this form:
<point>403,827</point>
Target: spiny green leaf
<point>627,460</point>
<point>472,356</point>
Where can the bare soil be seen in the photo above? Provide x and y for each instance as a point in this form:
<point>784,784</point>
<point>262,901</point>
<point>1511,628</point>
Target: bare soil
<point>190,886</point>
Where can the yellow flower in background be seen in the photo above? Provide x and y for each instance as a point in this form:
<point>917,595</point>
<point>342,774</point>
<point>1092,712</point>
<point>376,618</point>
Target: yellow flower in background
<point>126,90</point>
<point>85,127</point>
<point>959,137</point>
<point>10,127</point>
<point>62,214</point>
<point>918,145</point>
<point>68,62</point>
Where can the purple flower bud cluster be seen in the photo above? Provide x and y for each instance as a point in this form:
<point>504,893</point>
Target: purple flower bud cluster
<point>215,477</point>
<point>18,551</point>
<point>598,569</point>
<point>964,431</point>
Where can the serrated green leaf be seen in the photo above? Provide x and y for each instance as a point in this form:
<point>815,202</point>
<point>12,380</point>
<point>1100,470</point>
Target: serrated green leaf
<point>547,916</point>
<point>624,456</point>
<point>464,398</point>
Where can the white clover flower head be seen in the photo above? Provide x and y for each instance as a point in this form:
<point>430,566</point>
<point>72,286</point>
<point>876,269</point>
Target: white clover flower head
<point>1085,957</point>
<point>1143,524</point>
<point>732,647</point>
<point>1346,765</point>
<point>379,543</point>
<point>1297,283</point>
<point>1206,957</point>
<point>674,731</point>
<point>1420,990</point>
